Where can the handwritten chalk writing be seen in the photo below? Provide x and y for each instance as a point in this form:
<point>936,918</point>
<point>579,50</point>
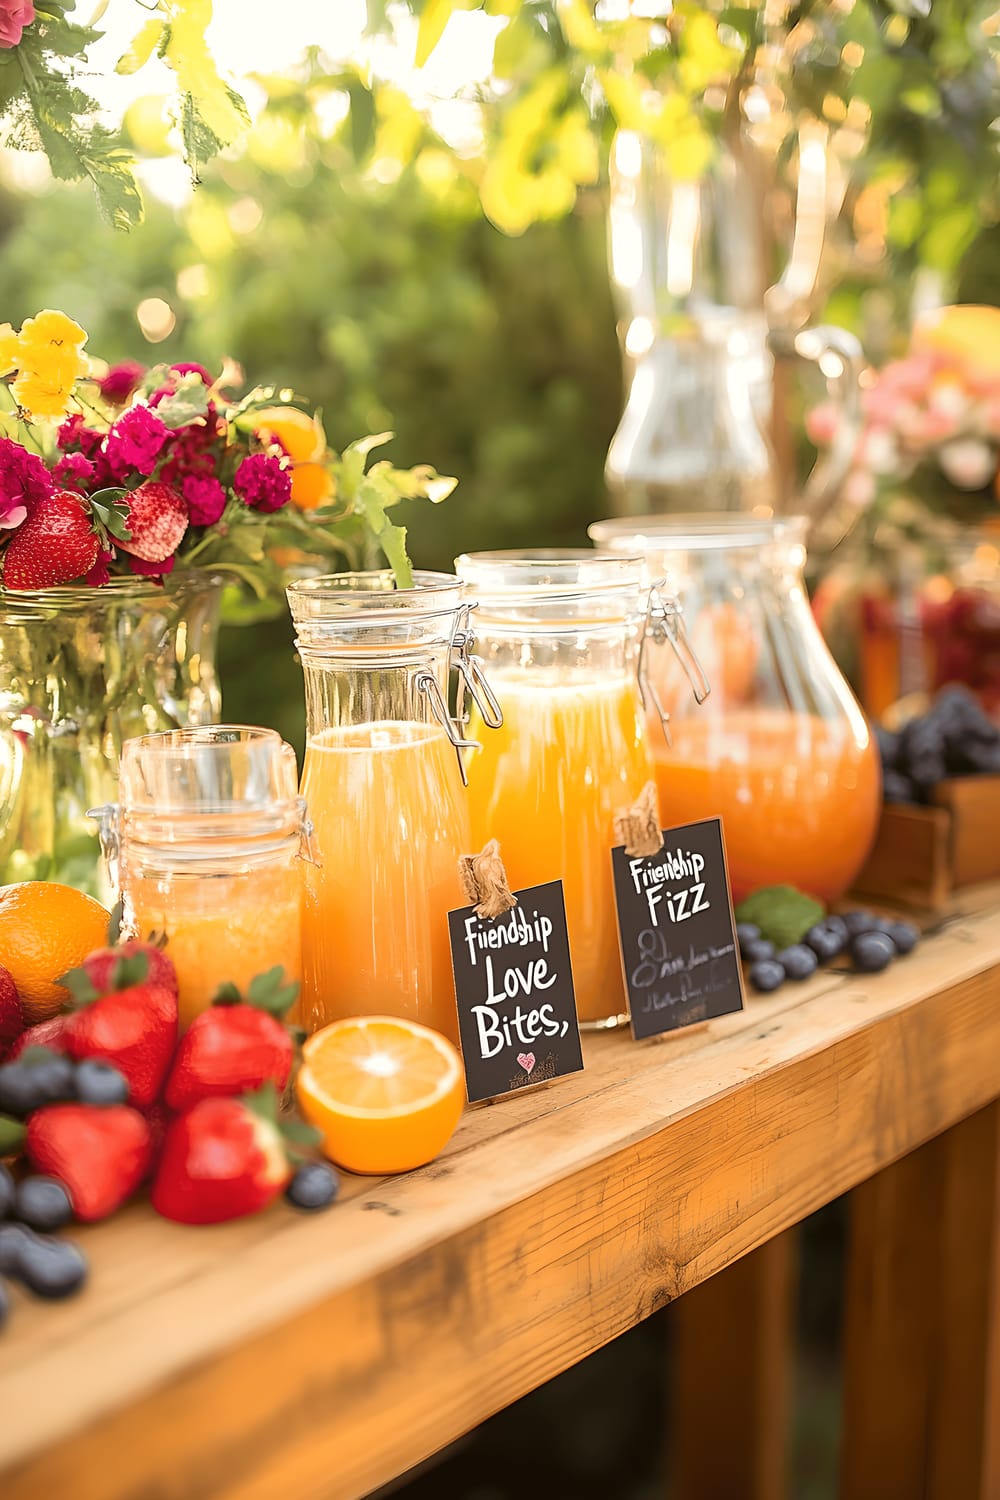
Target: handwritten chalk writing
<point>659,869</point>
<point>679,905</point>
<point>515,928</point>
<point>497,1031</point>
<point>535,977</point>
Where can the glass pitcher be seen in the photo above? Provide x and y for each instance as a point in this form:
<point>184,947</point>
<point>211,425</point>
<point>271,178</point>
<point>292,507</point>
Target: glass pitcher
<point>562,636</point>
<point>204,847</point>
<point>384,779</point>
<point>781,751</point>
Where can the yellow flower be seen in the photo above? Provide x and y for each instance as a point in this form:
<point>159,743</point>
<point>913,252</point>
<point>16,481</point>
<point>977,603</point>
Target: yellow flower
<point>48,355</point>
<point>51,327</point>
<point>8,349</point>
<point>54,365</point>
<point>41,396</point>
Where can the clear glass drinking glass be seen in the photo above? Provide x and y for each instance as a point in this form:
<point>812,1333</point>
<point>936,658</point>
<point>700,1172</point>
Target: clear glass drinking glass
<point>204,845</point>
<point>561,634</point>
<point>781,751</point>
<point>384,779</point>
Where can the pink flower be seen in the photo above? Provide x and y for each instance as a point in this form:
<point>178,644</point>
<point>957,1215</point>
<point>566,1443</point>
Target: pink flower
<point>152,569</point>
<point>263,482</point>
<point>206,499</point>
<point>74,472</point>
<point>120,381</point>
<point>74,433</point>
<point>100,572</point>
<point>193,370</point>
<point>134,442</point>
<point>24,480</point>
<point>15,15</point>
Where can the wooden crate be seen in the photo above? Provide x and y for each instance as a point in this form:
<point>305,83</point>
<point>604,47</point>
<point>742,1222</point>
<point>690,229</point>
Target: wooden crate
<point>923,855</point>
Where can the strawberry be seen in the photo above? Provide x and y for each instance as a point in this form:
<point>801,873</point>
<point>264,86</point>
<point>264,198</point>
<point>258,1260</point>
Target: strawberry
<point>236,1045</point>
<point>101,1155</point>
<point>51,1034</point>
<point>157,521</point>
<point>56,544</point>
<point>100,965</point>
<point>222,1159</point>
<point>11,1019</point>
<point>133,1026</point>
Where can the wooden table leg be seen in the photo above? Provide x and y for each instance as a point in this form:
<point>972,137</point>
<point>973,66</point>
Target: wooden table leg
<point>922,1323</point>
<point>735,1349</point>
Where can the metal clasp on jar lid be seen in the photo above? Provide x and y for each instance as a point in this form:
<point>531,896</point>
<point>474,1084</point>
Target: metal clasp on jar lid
<point>427,683</point>
<point>307,849</point>
<point>472,674</point>
<point>108,820</point>
<point>664,624</point>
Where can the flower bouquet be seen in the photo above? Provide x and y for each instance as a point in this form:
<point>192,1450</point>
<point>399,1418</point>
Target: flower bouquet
<point>922,589</point>
<point>128,497</point>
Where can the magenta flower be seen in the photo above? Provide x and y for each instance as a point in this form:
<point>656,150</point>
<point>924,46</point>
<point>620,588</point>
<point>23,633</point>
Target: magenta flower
<point>74,472</point>
<point>193,370</point>
<point>15,15</point>
<point>205,497</point>
<point>75,434</point>
<point>152,569</point>
<point>100,573</point>
<point>263,482</point>
<point>134,442</point>
<point>24,480</point>
<point>120,381</point>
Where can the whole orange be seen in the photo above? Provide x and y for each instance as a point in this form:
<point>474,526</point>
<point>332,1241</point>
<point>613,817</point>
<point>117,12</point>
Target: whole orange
<point>46,929</point>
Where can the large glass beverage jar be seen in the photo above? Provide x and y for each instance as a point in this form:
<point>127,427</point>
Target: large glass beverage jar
<point>383,779</point>
<point>781,751</point>
<point>560,635</point>
<point>205,847</point>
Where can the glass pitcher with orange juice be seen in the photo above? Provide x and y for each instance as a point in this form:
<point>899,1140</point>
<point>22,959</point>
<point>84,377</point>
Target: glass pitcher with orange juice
<point>384,779</point>
<point>781,751</point>
<point>562,636</point>
<point>204,846</point>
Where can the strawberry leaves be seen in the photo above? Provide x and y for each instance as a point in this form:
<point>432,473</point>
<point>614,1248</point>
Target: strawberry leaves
<point>111,512</point>
<point>129,970</point>
<point>268,992</point>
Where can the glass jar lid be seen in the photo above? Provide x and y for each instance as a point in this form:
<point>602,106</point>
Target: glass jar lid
<point>365,610</point>
<point>556,587</point>
<point>705,531</point>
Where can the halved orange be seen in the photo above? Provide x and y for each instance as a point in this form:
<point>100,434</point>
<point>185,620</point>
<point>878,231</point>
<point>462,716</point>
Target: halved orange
<point>386,1095</point>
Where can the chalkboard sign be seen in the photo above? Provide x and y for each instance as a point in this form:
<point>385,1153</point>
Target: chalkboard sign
<point>677,933</point>
<point>514,985</point>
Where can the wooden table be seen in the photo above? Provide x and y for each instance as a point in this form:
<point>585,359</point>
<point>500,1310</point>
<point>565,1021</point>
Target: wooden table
<point>287,1356</point>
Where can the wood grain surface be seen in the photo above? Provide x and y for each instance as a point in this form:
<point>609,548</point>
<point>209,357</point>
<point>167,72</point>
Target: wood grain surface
<point>321,1357</point>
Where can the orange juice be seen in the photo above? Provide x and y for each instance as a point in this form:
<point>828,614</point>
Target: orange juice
<point>222,928</point>
<point>548,785</point>
<point>798,795</point>
<point>391,822</point>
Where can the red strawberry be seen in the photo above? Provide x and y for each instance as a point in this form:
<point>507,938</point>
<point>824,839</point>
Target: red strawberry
<point>157,520</point>
<point>102,1155</point>
<point>133,1026</point>
<point>52,1034</point>
<point>222,1158</point>
<point>235,1046</point>
<point>11,1019</point>
<point>100,965</point>
<point>56,544</point>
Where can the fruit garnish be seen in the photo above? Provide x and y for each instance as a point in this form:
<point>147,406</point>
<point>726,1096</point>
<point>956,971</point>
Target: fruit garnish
<point>101,967</point>
<point>100,1155</point>
<point>48,1267</point>
<point>157,521</point>
<point>50,1034</point>
<point>237,1045</point>
<point>872,951</point>
<point>783,914</point>
<point>37,1078</point>
<point>314,1186</point>
<point>42,1203</point>
<point>100,1084</point>
<point>55,545</point>
<point>11,1015</point>
<point>385,1094</point>
<point>46,929</point>
<point>222,1159</point>
<point>798,961</point>
<point>133,1027</point>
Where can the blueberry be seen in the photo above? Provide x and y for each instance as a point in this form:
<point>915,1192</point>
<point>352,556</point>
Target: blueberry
<point>859,921</point>
<point>825,942</point>
<point>43,1203</point>
<point>835,923</point>
<point>904,935</point>
<point>100,1083</point>
<point>4,1304</point>
<point>898,788</point>
<point>758,950</point>
<point>766,975</point>
<point>888,745</point>
<point>871,952</point>
<point>6,1190</point>
<point>30,1084</point>
<point>798,961</point>
<point>13,1238</point>
<point>51,1268</point>
<point>314,1186</point>
<point>746,932</point>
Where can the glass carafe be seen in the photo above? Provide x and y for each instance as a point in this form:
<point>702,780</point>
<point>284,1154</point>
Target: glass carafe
<point>781,751</point>
<point>561,635</point>
<point>383,777</point>
<point>205,847</point>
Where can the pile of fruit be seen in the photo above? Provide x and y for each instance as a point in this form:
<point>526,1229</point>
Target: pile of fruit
<point>955,737</point>
<point>784,934</point>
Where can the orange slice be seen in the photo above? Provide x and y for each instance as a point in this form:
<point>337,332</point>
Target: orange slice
<point>386,1095</point>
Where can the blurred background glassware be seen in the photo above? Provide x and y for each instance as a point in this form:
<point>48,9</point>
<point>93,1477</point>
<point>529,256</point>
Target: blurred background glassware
<point>205,847</point>
<point>781,750</point>
<point>706,336</point>
<point>561,633</point>
<point>81,671</point>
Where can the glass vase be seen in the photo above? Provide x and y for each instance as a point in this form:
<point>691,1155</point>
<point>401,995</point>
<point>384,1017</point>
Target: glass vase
<point>81,671</point>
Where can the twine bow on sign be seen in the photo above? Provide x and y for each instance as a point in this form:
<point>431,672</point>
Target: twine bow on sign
<point>484,881</point>
<point>638,826</point>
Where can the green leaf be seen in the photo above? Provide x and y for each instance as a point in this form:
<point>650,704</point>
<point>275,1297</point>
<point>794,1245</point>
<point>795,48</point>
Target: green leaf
<point>80,985</point>
<point>12,1134</point>
<point>185,405</point>
<point>227,994</point>
<point>269,992</point>
<point>373,501</point>
<point>143,45</point>
<point>362,120</point>
<point>111,510</point>
<point>129,971</point>
<point>433,19</point>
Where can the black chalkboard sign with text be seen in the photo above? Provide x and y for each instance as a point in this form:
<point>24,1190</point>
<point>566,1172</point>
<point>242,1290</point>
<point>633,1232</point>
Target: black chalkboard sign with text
<point>514,985</point>
<point>677,932</point>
